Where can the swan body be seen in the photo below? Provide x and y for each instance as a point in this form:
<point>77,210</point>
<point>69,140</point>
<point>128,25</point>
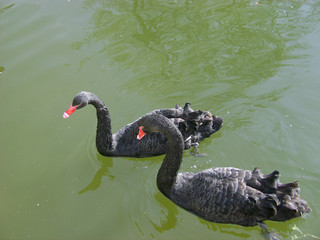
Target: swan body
<point>194,126</point>
<point>222,194</point>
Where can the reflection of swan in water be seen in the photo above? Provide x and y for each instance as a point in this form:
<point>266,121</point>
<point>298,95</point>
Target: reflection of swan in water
<point>105,164</point>
<point>194,126</point>
<point>170,221</point>
<point>103,171</point>
<point>171,218</point>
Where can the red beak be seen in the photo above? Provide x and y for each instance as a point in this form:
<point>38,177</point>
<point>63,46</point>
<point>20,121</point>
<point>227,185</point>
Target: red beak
<point>141,133</point>
<point>70,110</point>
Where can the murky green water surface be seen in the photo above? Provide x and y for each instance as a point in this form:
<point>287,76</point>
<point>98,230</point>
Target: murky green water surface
<point>254,63</point>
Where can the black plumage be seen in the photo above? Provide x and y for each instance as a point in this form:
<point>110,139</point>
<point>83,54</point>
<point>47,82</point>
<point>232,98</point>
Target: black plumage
<point>124,142</point>
<point>222,194</point>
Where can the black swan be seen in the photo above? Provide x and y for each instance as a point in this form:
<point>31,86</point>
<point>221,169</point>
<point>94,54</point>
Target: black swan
<point>194,126</point>
<point>222,194</point>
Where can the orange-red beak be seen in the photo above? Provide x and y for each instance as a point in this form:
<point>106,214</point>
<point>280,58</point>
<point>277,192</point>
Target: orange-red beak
<point>141,133</point>
<point>70,110</point>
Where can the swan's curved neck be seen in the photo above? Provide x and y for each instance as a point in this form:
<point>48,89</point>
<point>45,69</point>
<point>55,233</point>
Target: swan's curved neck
<point>104,133</point>
<point>169,169</point>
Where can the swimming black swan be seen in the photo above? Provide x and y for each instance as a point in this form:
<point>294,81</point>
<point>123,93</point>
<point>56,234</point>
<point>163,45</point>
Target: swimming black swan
<point>194,126</point>
<point>222,194</point>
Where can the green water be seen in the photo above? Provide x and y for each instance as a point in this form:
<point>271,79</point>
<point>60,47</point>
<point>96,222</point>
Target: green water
<point>254,63</point>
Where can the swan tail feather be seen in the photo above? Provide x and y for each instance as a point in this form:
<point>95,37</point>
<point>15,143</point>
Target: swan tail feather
<point>291,204</point>
<point>282,201</point>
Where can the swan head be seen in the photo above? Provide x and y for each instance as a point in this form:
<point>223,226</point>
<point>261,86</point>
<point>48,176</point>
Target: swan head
<point>79,101</point>
<point>155,123</point>
<point>147,124</point>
